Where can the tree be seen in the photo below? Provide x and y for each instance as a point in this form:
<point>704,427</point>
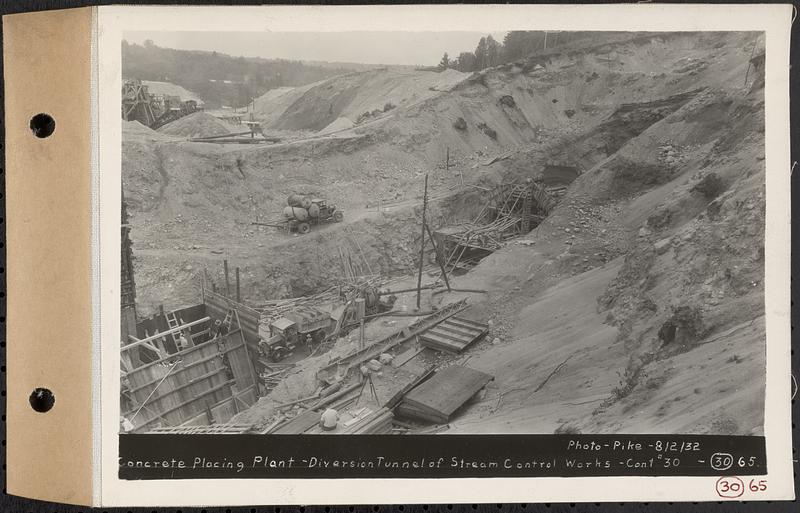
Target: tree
<point>466,61</point>
<point>493,51</point>
<point>480,55</point>
<point>445,62</point>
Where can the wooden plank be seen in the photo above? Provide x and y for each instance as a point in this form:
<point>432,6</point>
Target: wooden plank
<point>458,339</point>
<point>468,333</point>
<point>405,357</point>
<point>467,323</point>
<point>394,400</point>
<point>299,424</point>
<point>448,390</point>
<point>440,347</point>
<point>431,339</point>
<point>407,411</point>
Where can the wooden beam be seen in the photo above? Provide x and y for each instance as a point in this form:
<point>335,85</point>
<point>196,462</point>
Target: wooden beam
<point>238,290</point>
<point>439,257</point>
<point>422,243</point>
<point>164,333</point>
<point>148,345</point>
<point>227,280</point>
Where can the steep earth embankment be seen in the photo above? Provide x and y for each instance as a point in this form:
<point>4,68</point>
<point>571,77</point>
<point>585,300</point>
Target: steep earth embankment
<point>640,307</point>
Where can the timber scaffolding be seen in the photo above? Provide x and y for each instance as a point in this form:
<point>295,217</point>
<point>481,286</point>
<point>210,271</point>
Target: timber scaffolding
<point>512,209</point>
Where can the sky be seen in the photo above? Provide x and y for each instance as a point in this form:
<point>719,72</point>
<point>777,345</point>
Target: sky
<point>392,48</point>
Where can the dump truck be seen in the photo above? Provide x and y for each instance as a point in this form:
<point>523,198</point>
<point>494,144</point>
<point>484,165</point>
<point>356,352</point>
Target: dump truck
<point>295,328</point>
<point>302,212</point>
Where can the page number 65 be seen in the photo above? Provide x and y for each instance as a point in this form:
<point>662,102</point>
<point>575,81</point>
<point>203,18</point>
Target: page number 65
<point>732,487</point>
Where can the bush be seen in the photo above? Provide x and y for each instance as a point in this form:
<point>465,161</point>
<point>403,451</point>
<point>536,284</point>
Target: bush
<point>388,107</point>
<point>567,429</point>
<point>363,117</point>
<point>488,131</point>
<point>508,101</point>
<point>710,186</point>
<point>460,124</point>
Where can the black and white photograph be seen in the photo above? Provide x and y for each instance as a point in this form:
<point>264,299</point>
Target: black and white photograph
<point>514,232</point>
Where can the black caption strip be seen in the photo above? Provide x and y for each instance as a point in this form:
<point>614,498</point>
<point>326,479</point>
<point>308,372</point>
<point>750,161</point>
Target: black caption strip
<point>381,456</point>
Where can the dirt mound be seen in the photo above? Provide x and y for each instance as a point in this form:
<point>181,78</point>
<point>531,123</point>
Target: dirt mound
<point>337,126</point>
<point>198,124</point>
<point>315,106</point>
<point>269,107</point>
<point>133,130</point>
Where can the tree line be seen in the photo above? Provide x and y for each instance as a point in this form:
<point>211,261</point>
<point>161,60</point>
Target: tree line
<point>516,45</point>
<point>218,79</point>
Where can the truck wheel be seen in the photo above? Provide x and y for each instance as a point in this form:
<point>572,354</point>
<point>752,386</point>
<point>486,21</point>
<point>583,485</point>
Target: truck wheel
<point>277,355</point>
<point>303,228</point>
<point>338,216</point>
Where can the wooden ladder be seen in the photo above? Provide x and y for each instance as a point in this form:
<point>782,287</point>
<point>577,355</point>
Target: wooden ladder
<point>173,322</point>
<point>228,319</point>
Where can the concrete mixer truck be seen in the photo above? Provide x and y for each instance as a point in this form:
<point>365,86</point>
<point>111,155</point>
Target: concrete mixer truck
<point>303,211</point>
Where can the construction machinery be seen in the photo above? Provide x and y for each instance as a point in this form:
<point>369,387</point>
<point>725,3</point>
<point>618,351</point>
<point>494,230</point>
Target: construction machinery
<point>152,109</point>
<point>301,326</point>
<point>346,316</point>
<point>302,212</point>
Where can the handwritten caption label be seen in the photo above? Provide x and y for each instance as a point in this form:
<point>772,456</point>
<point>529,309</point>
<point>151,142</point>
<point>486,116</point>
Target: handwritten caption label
<point>732,487</point>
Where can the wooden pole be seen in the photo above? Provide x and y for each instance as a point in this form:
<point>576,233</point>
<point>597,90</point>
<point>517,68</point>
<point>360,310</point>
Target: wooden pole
<point>360,304</point>
<point>238,290</point>
<point>227,281</point>
<point>203,287</point>
<point>447,161</point>
<point>422,243</point>
<point>439,257</point>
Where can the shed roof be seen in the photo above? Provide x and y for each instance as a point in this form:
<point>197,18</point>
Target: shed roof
<point>283,323</point>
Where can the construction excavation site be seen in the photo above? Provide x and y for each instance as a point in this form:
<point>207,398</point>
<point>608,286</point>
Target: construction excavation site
<point>570,242</point>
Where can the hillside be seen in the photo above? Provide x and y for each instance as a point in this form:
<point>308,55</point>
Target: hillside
<point>618,311</point>
<point>219,79</point>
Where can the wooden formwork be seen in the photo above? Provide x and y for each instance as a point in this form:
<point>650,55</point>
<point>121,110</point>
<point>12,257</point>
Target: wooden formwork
<point>190,383</point>
<point>206,383</point>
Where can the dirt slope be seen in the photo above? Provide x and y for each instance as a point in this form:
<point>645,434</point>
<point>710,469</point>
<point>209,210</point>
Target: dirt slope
<point>644,343</point>
<point>198,124</point>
